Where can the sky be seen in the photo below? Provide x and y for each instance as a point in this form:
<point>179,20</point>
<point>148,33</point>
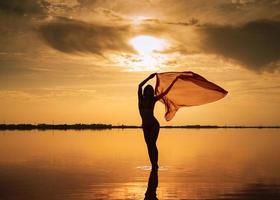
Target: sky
<point>80,61</point>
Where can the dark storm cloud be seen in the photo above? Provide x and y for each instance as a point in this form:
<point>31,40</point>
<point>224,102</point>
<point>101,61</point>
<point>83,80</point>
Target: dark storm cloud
<point>255,44</point>
<point>72,36</point>
<point>23,7</point>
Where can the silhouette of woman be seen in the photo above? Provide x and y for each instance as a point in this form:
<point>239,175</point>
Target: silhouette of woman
<point>150,125</point>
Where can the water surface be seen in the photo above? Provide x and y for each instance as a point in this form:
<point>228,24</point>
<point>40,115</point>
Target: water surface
<point>113,164</point>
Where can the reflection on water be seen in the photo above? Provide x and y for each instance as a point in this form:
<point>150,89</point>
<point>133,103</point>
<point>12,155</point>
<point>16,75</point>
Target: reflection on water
<point>254,191</point>
<point>194,164</point>
<point>151,193</point>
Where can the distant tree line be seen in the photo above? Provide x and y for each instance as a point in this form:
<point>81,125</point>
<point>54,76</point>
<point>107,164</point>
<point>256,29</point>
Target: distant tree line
<point>53,126</point>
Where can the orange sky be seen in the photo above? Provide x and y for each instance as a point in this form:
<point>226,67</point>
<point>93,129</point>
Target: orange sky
<point>80,61</point>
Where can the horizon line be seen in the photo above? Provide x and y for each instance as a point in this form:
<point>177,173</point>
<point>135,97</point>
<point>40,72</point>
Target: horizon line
<point>95,126</point>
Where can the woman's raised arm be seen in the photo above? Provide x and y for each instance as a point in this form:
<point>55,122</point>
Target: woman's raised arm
<point>143,83</point>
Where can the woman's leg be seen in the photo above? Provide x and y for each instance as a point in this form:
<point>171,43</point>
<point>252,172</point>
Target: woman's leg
<point>151,135</point>
<point>148,140</point>
<point>154,150</point>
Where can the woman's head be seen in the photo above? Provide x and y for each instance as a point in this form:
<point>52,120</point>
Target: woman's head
<point>149,91</point>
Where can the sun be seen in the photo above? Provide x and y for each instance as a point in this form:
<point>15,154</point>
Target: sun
<point>145,44</point>
<point>149,53</point>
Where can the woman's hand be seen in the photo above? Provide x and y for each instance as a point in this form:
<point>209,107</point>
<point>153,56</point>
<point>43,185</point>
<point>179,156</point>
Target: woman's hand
<point>152,75</point>
<point>147,79</point>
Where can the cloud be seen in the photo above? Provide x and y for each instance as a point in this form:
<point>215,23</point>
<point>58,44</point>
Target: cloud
<point>245,5</point>
<point>22,8</point>
<point>17,19</point>
<point>190,22</point>
<point>255,44</point>
<point>256,2</point>
<point>73,36</point>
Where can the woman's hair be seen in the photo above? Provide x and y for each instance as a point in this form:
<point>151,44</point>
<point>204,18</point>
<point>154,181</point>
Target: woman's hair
<point>149,91</point>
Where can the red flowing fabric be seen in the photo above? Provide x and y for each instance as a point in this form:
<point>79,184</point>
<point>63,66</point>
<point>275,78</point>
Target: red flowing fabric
<point>190,89</point>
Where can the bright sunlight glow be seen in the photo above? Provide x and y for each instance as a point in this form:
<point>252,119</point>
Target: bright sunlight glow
<point>149,55</point>
<point>145,44</point>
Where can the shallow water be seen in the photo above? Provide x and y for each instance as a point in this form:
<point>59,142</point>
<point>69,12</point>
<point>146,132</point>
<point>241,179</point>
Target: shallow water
<point>113,164</point>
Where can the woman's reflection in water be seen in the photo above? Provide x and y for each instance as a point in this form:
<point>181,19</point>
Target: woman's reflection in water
<point>151,193</point>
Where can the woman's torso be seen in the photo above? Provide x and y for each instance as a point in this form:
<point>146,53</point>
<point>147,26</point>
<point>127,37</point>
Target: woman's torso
<point>147,111</point>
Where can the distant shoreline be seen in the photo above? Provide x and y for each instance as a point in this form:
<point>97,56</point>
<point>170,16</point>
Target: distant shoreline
<point>110,126</point>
